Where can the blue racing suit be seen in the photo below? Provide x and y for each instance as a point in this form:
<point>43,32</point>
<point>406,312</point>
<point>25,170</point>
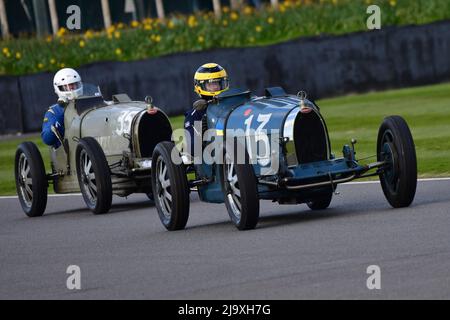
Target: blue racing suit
<point>190,117</point>
<point>53,117</point>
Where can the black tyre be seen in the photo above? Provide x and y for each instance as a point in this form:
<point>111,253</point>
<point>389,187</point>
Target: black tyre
<point>150,197</point>
<point>241,192</point>
<point>31,180</point>
<point>94,176</point>
<point>399,176</point>
<point>170,187</point>
<point>322,202</point>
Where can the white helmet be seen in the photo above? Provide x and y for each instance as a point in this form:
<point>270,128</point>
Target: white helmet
<point>67,84</point>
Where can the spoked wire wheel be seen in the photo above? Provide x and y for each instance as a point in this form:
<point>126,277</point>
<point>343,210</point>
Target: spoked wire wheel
<point>170,186</point>
<point>94,176</point>
<point>88,180</point>
<point>396,148</point>
<point>241,192</point>
<point>31,179</point>
<point>26,181</point>
<point>163,188</point>
<point>390,156</point>
<point>232,191</point>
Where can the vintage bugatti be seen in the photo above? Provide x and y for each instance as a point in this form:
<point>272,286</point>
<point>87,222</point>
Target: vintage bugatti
<point>305,172</point>
<point>106,149</point>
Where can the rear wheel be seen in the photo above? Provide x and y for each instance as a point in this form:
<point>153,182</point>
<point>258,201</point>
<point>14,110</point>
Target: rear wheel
<point>322,202</point>
<point>241,193</point>
<point>94,176</point>
<point>396,147</point>
<point>31,180</point>
<point>170,187</point>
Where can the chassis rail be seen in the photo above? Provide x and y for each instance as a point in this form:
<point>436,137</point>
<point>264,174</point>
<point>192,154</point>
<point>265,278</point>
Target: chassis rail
<point>296,183</point>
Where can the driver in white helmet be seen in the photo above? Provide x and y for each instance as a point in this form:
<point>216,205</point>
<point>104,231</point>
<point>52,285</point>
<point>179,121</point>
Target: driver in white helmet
<point>68,86</point>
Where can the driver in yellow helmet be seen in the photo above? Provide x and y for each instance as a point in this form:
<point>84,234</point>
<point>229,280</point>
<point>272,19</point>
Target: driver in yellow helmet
<point>210,80</point>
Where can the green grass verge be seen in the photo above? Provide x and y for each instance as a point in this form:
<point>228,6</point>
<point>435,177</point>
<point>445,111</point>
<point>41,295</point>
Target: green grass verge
<point>427,110</point>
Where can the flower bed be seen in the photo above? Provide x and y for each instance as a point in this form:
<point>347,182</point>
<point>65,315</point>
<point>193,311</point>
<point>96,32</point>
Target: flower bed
<point>247,27</point>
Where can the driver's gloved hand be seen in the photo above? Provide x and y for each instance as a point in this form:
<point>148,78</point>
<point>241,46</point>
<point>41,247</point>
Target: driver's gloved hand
<point>63,101</point>
<point>200,105</point>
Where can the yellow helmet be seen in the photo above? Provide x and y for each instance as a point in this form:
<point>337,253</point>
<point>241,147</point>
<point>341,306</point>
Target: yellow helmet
<point>210,80</point>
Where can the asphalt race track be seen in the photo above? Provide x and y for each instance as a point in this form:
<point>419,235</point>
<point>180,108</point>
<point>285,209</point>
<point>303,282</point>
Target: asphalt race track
<point>293,254</point>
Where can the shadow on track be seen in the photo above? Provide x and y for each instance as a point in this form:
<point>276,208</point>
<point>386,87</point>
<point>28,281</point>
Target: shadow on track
<point>302,216</point>
<point>115,208</point>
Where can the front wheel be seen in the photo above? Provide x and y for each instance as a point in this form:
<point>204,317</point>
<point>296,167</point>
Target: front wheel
<point>31,180</point>
<point>241,193</point>
<point>170,186</point>
<point>94,176</point>
<point>396,148</point>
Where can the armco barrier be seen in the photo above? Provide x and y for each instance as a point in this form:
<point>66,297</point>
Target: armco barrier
<point>10,105</point>
<point>323,66</point>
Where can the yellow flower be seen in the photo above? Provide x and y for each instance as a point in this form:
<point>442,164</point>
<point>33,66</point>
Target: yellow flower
<point>62,65</point>
<point>201,39</point>
<point>18,55</point>
<point>82,44</point>
<point>88,34</point>
<point>5,50</point>
<point>134,24</point>
<point>118,51</point>
<point>248,10</point>
<point>117,34</point>
<point>49,39</point>
<point>226,9</point>
<point>192,21</point>
<point>147,27</point>
<point>111,29</point>
<point>393,3</point>
<point>335,2</point>
<point>170,24</point>
<point>40,65</point>
<point>61,32</point>
<point>258,28</point>
<point>52,61</point>
<point>225,23</point>
<point>157,21</point>
<point>120,25</point>
<point>156,38</point>
<point>251,39</point>
<point>270,20</point>
<point>234,16</point>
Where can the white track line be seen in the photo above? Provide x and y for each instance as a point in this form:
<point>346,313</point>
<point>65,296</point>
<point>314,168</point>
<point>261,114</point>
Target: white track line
<point>348,183</point>
<point>50,196</point>
<point>420,180</point>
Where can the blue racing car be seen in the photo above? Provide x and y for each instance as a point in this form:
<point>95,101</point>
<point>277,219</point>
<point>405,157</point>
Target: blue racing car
<point>274,147</point>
